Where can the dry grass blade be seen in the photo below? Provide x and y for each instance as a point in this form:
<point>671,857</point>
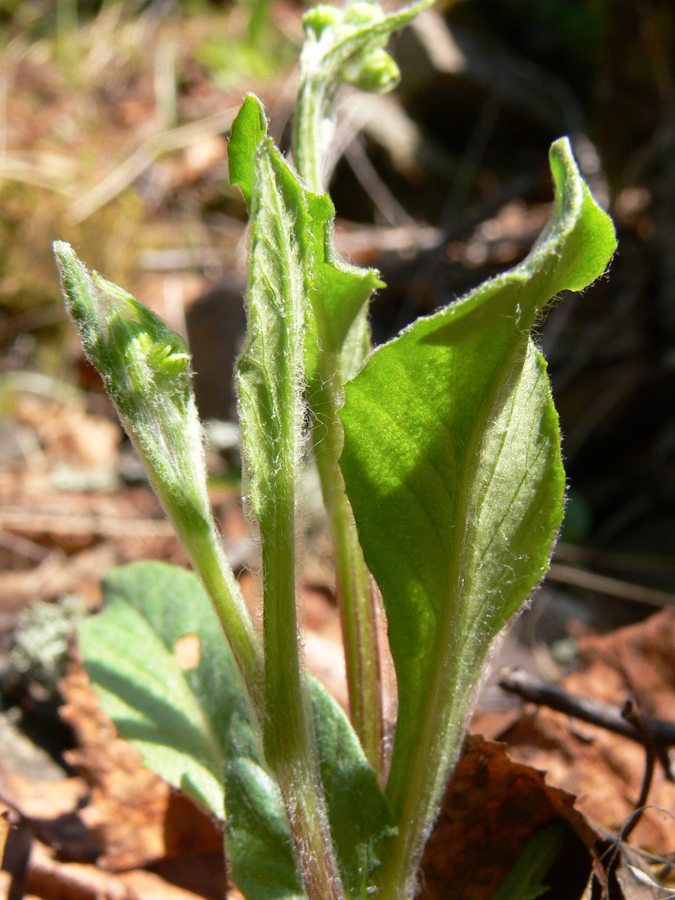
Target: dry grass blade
<point>144,156</point>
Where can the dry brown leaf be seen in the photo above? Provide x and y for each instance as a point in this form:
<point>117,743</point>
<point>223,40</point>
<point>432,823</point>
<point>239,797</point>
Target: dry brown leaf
<point>5,812</point>
<point>137,816</point>
<point>51,879</point>
<point>51,808</point>
<point>602,769</point>
<point>492,808</point>
<point>69,432</point>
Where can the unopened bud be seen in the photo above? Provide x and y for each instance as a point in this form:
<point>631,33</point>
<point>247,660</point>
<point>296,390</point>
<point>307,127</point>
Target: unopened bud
<point>375,71</point>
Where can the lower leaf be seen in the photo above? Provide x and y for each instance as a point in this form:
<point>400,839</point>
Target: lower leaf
<point>165,675</point>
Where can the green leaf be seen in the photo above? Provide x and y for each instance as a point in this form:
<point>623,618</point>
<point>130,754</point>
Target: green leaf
<point>358,812</point>
<point>339,292</point>
<point>291,264</point>
<point>270,377</point>
<point>146,370</point>
<point>452,465</point>
<point>248,131</point>
<point>192,727</point>
<point>525,881</point>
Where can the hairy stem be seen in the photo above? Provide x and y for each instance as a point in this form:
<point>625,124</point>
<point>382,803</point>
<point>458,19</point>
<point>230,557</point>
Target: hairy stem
<point>271,389</point>
<point>355,595</point>
<point>357,609</point>
<point>289,741</point>
<point>207,557</point>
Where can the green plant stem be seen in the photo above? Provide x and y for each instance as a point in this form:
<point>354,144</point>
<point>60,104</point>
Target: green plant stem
<point>207,557</point>
<point>289,741</point>
<point>313,128</point>
<point>288,733</point>
<point>357,608</point>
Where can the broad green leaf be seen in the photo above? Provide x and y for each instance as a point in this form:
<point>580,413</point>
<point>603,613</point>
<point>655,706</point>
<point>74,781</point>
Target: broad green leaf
<point>452,465</point>
<point>192,726</point>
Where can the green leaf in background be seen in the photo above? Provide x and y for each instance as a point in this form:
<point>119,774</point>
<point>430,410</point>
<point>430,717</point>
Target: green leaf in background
<point>525,881</point>
<point>452,465</point>
<point>192,724</point>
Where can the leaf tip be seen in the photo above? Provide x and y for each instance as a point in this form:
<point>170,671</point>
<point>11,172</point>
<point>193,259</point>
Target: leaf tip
<point>248,131</point>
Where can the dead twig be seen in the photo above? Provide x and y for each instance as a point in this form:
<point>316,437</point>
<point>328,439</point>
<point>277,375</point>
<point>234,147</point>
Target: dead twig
<point>604,584</point>
<point>634,716</point>
<point>533,690</point>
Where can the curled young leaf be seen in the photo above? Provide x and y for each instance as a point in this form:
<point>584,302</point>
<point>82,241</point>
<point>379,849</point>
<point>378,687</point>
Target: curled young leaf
<point>146,370</point>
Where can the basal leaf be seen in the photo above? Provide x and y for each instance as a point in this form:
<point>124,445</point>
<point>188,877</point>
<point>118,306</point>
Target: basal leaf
<point>145,692</point>
<point>358,812</point>
<point>191,725</point>
<point>452,465</point>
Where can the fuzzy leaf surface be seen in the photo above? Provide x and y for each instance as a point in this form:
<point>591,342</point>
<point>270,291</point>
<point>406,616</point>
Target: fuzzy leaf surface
<point>146,370</point>
<point>452,464</point>
<point>270,377</point>
<point>339,292</point>
<point>192,727</point>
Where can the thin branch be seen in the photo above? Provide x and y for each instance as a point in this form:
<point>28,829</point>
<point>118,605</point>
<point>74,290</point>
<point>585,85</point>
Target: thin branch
<point>533,690</point>
<point>604,584</point>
